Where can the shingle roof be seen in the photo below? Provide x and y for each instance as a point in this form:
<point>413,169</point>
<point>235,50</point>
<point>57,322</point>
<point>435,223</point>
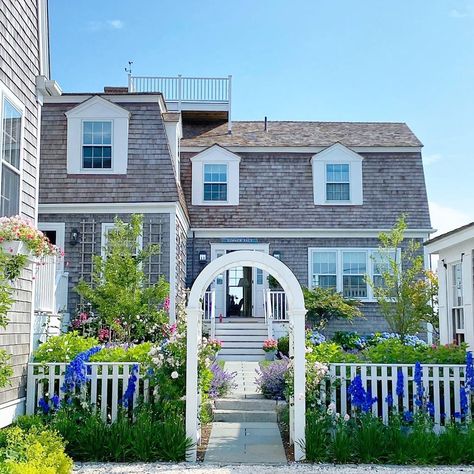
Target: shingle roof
<point>303,134</point>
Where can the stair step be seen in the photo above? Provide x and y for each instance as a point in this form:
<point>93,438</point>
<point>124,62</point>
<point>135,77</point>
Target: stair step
<point>238,337</point>
<point>238,332</point>
<point>246,404</point>
<point>241,350</point>
<point>241,357</point>
<point>242,416</point>
<point>242,326</point>
<point>242,344</point>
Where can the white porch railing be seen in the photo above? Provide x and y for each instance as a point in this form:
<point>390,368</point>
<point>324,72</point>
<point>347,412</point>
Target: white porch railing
<point>51,286</point>
<point>275,303</point>
<point>184,89</point>
<point>441,384</point>
<point>104,390</point>
<point>208,304</point>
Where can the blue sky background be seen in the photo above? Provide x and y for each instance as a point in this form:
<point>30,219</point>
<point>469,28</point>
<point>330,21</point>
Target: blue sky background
<point>356,60</point>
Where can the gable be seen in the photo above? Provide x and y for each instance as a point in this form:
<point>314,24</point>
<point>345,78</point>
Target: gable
<point>216,153</point>
<point>98,108</point>
<point>337,153</point>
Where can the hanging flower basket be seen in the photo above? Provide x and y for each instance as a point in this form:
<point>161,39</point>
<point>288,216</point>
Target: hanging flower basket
<point>15,247</point>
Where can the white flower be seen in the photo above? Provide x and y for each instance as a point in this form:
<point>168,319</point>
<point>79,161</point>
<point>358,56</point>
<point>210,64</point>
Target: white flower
<point>330,411</point>
<point>174,374</point>
<point>337,416</point>
<point>308,350</point>
<point>347,417</point>
<point>332,406</point>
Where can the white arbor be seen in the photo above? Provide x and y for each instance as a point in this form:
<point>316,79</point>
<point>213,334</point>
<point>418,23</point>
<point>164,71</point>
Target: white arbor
<point>296,315</point>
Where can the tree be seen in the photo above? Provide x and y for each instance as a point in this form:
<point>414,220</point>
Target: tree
<point>128,306</point>
<point>323,304</point>
<point>406,291</point>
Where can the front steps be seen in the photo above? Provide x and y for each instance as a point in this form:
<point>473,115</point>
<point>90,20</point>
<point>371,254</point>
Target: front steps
<point>245,410</point>
<point>242,339</point>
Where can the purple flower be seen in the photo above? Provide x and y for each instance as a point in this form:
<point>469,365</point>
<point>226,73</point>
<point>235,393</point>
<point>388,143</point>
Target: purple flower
<point>400,389</point>
<point>222,381</point>
<point>360,398</point>
<point>271,379</point>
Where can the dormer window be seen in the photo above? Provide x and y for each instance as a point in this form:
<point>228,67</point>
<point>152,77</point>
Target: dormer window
<point>215,182</point>
<point>337,177</point>
<point>215,177</point>
<point>97,138</point>
<point>97,144</point>
<point>337,182</point>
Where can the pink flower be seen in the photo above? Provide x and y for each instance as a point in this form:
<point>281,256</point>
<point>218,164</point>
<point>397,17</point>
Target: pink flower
<point>166,304</point>
<point>103,334</point>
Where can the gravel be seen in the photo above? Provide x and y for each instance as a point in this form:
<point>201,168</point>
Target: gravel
<point>112,468</point>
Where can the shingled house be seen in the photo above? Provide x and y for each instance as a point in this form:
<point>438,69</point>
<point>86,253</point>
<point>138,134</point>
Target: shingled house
<point>313,194</point>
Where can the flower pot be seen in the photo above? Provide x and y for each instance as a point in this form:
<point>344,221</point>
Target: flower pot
<point>270,355</point>
<point>16,247</point>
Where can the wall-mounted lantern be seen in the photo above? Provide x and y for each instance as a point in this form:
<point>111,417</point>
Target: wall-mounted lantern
<point>202,257</point>
<point>74,238</point>
<point>277,254</point>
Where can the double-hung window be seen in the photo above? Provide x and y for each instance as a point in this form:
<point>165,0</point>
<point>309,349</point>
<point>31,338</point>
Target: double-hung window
<point>324,267</point>
<point>97,144</point>
<point>215,182</point>
<point>381,265</point>
<point>10,149</point>
<point>337,182</point>
<point>354,269</point>
<point>457,305</point>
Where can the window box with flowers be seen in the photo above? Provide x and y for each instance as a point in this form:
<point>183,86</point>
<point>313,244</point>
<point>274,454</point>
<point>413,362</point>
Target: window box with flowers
<point>18,236</point>
<point>270,346</point>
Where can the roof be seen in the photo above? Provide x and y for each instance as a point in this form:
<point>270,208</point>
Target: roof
<point>280,134</point>
<point>450,233</point>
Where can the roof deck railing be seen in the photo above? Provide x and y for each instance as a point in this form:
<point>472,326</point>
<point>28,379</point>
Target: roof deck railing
<point>184,89</point>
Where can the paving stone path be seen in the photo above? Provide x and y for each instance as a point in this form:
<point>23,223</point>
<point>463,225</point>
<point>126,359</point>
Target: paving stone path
<point>245,430</point>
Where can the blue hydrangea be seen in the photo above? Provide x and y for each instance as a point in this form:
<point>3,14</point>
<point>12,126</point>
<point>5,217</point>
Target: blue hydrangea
<point>317,338</point>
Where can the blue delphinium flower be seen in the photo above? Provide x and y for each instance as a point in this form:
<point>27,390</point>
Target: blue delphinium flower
<point>430,408</point>
<point>76,372</point>
<point>359,397</point>
<point>400,390</point>
<point>408,416</point>
<point>469,372</point>
<point>389,400</point>
<point>55,401</point>
<point>131,387</point>
<point>463,395</point>
<point>418,378</point>
<point>44,405</point>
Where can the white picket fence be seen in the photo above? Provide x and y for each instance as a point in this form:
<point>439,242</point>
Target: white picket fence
<point>106,385</point>
<point>442,384</point>
<point>108,382</point>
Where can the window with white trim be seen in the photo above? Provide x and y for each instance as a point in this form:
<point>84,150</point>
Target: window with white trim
<point>97,144</point>
<point>324,266</point>
<point>215,182</point>
<point>107,227</point>
<point>10,149</point>
<point>457,303</point>
<point>381,265</point>
<point>337,182</point>
<point>346,270</point>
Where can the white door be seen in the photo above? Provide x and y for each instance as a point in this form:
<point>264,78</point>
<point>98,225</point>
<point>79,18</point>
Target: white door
<point>260,283</point>
<point>219,286</point>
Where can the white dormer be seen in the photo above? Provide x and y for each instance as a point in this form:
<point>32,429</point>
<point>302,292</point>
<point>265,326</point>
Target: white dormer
<point>215,177</point>
<point>97,138</point>
<point>337,177</point>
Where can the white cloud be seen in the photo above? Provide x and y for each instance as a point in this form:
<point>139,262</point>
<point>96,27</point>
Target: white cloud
<point>98,25</point>
<point>430,159</point>
<point>115,24</point>
<point>444,218</point>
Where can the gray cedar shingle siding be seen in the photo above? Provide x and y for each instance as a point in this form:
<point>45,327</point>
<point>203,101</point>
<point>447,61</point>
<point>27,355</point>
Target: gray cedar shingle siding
<point>300,134</point>
<point>276,191</point>
<point>73,254</point>
<point>150,176</point>
<point>19,66</point>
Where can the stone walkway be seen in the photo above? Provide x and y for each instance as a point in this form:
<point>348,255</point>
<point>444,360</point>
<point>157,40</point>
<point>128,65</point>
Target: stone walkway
<point>245,441</point>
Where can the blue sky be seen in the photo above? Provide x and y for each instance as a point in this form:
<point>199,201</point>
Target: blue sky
<point>360,60</point>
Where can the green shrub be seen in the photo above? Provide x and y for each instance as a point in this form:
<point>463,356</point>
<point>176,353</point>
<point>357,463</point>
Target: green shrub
<point>34,451</point>
<point>329,352</point>
<point>63,348</point>
<point>136,353</point>
<point>284,345</point>
<point>157,433</point>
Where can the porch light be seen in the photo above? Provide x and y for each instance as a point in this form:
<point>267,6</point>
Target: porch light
<point>202,256</point>
<point>74,239</point>
<point>277,254</point>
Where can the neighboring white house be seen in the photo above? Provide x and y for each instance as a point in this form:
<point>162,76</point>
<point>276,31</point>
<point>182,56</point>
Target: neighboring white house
<point>456,284</point>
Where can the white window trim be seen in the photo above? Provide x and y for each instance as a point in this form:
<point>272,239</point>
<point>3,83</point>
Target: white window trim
<point>215,155</point>
<point>87,170</point>
<point>369,251</point>
<point>204,182</point>
<point>60,229</point>
<point>106,227</point>
<point>451,305</point>
<point>340,155</point>
<point>326,182</point>
<point>6,93</point>
<point>97,109</point>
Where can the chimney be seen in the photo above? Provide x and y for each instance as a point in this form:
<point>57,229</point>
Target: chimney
<point>115,90</point>
<point>266,122</point>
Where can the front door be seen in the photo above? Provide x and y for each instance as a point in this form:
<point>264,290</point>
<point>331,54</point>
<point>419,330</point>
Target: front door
<point>240,290</point>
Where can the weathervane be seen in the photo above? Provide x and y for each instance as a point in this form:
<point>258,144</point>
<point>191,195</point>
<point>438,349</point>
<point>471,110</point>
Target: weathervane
<point>129,69</point>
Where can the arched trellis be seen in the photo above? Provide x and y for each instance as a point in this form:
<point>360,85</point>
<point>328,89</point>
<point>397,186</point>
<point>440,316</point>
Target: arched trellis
<point>296,315</point>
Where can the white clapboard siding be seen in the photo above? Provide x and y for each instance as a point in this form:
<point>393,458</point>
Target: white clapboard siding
<point>442,385</point>
<point>104,390</point>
